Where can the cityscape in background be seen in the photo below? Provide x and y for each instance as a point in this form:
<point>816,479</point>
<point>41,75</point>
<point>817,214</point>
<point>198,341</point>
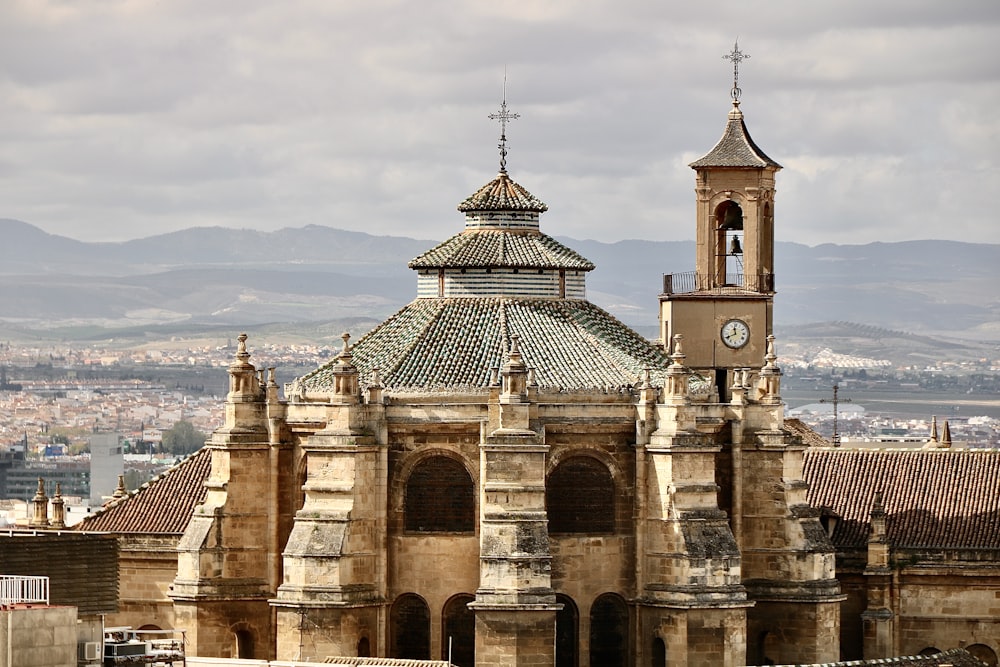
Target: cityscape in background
<point>57,401</point>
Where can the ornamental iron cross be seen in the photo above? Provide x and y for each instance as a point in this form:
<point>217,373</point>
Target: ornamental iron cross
<point>736,57</point>
<point>503,116</point>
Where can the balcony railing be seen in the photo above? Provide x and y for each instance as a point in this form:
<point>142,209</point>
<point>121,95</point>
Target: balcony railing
<point>735,283</point>
<point>16,589</point>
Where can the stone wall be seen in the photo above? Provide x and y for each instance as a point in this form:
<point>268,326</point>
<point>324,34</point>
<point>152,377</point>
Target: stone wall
<point>38,636</point>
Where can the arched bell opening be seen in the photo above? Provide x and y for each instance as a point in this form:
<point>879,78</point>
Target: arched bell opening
<point>728,244</point>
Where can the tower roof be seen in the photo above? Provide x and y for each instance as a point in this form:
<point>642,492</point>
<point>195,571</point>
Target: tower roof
<point>502,194</point>
<point>735,149</point>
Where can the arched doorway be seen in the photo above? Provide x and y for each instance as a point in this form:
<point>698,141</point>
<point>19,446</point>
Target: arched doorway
<point>609,631</point>
<point>459,631</point>
<point>659,657</point>
<point>567,632</point>
<point>243,639</point>
<point>410,628</point>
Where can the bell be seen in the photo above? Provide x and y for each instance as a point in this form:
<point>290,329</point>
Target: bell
<point>734,246</point>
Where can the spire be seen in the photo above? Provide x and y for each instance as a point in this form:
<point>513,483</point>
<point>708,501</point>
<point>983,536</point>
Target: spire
<point>504,116</point>
<point>736,148</point>
<point>39,507</point>
<point>120,490</point>
<point>934,431</point>
<point>58,509</point>
<point>736,57</point>
<point>946,436</point>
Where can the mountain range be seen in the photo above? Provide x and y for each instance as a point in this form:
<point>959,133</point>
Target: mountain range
<point>213,276</point>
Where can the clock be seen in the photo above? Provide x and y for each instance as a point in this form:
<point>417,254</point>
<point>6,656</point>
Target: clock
<point>735,334</point>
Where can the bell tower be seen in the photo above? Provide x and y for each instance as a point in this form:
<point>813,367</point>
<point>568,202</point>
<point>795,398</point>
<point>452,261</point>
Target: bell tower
<point>724,309</point>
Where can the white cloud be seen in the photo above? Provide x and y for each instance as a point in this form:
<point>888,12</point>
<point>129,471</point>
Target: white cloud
<point>124,117</point>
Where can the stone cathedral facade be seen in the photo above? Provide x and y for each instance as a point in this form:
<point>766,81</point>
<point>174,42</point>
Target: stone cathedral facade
<point>504,473</point>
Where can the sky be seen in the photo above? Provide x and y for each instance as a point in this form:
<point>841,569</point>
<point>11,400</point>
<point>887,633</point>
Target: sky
<point>126,118</point>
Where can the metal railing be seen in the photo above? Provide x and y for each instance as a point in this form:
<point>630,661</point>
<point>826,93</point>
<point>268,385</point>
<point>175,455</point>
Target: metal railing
<point>683,283</point>
<point>16,589</point>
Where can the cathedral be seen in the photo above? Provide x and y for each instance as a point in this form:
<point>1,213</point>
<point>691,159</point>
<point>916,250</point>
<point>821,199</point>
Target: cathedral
<point>504,474</point>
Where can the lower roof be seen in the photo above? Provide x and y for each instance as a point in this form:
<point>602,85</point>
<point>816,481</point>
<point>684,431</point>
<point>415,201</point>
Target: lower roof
<point>933,498</point>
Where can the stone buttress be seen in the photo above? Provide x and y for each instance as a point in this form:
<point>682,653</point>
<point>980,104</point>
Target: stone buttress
<point>331,598</point>
<point>226,563</point>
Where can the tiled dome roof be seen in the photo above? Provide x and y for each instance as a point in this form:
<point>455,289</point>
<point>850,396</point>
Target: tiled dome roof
<point>502,194</point>
<point>497,248</point>
<point>452,343</point>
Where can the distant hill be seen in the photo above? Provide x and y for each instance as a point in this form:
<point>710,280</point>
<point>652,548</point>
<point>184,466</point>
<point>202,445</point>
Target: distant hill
<point>238,277</point>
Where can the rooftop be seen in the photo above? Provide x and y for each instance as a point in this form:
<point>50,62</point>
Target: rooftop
<point>452,343</point>
<point>934,498</point>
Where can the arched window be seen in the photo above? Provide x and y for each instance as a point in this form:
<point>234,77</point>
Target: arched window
<point>410,628</point>
<point>459,631</point>
<point>364,648</point>
<point>580,497</point>
<point>767,648</point>
<point>567,632</point>
<point>440,498</point>
<point>609,631</point>
<point>659,657</point>
<point>984,653</point>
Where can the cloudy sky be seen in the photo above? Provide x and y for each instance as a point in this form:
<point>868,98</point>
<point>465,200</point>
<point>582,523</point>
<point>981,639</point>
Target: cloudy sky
<point>125,118</point>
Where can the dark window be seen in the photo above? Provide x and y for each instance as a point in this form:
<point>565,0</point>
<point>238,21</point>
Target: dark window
<point>244,645</point>
<point>580,497</point>
<point>410,628</point>
<point>459,631</point>
<point>659,653</point>
<point>364,648</point>
<point>440,497</point>
<point>608,631</point>
<point>984,653</point>
<point>567,622</point>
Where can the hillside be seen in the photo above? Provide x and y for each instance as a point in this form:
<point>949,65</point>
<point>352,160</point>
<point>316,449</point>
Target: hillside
<point>208,277</point>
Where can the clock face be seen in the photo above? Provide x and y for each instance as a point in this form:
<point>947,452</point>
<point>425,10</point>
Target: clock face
<point>735,333</point>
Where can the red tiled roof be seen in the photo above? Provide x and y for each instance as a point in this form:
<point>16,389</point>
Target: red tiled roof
<point>938,498</point>
<point>163,506</point>
<point>809,437</point>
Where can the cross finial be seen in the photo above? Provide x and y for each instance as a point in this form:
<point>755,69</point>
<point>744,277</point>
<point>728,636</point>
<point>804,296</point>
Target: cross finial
<point>736,57</point>
<point>503,116</point>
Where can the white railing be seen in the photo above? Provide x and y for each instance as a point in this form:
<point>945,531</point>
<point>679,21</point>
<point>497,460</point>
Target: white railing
<point>15,589</point>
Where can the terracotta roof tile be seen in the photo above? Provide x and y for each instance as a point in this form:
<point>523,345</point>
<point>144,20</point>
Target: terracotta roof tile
<point>453,343</point>
<point>809,437</point>
<point>501,248</point>
<point>940,498</point>
<point>163,506</point>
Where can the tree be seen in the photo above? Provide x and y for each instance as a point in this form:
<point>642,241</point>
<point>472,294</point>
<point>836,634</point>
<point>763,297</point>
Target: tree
<point>182,438</point>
